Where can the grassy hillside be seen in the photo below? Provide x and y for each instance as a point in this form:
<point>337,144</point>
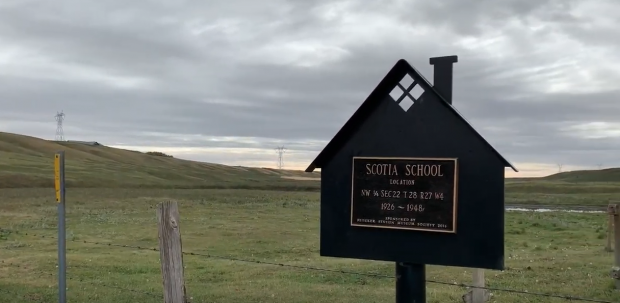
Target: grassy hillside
<point>600,175</point>
<point>28,162</point>
<point>586,187</point>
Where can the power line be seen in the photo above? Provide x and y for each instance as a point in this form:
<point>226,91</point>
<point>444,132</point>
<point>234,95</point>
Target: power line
<point>60,134</point>
<point>280,150</point>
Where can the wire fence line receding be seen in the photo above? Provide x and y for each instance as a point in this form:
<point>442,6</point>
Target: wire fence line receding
<point>81,280</point>
<point>104,242</point>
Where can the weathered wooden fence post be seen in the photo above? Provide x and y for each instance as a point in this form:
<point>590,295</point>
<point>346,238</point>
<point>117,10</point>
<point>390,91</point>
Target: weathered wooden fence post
<point>610,229</point>
<point>614,210</point>
<point>170,252</point>
<point>477,295</point>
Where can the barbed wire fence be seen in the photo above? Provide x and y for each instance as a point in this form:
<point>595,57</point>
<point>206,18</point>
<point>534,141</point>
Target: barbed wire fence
<point>81,280</point>
<point>233,259</point>
<point>34,271</point>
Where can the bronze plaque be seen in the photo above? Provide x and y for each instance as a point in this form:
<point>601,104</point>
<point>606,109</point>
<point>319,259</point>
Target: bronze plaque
<point>404,193</point>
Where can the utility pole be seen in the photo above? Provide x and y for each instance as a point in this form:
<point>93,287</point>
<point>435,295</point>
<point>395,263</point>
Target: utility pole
<point>60,134</point>
<point>280,150</point>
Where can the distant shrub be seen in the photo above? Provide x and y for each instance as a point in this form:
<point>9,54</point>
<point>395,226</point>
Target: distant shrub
<point>159,154</point>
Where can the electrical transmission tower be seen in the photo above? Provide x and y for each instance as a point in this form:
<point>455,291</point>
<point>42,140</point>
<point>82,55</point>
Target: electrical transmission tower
<point>280,150</point>
<point>60,134</point>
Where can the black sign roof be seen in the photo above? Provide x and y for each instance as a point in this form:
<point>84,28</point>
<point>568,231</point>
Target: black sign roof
<point>376,96</point>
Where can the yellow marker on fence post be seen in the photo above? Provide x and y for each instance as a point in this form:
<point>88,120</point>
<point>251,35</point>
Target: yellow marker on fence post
<point>57,176</point>
<point>59,184</point>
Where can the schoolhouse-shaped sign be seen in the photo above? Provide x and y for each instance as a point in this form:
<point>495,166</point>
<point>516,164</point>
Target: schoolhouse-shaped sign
<point>408,179</point>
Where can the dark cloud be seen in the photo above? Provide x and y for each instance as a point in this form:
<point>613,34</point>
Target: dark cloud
<point>537,78</point>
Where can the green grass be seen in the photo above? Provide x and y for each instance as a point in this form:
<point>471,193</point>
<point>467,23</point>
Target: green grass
<point>561,193</point>
<point>601,175</point>
<point>28,162</point>
<point>235,212</point>
<point>545,252</point>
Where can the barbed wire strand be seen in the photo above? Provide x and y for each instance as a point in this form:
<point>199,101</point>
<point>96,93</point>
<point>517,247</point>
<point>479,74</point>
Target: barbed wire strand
<point>85,281</point>
<point>566,297</point>
<point>375,275</point>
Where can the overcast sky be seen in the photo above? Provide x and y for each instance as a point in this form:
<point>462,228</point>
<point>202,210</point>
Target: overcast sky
<point>228,81</point>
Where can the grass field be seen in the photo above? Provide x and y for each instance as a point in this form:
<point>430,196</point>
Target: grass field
<point>545,252</point>
<point>26,162</point>
<point>236,212</point>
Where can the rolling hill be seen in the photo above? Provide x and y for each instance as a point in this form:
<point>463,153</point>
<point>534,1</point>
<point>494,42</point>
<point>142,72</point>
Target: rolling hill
<point>28,162</point>
<point>600,175</point>
<point>608,175</point>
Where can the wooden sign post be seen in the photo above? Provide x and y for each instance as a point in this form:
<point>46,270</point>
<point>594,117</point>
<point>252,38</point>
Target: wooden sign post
<point>407,179</point>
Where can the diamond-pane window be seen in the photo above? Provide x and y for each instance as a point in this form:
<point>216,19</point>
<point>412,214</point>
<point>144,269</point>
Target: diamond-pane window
<point>406,81</point>
<point>406,92</point>
<point>406,103</point>
<point>396,93</point>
